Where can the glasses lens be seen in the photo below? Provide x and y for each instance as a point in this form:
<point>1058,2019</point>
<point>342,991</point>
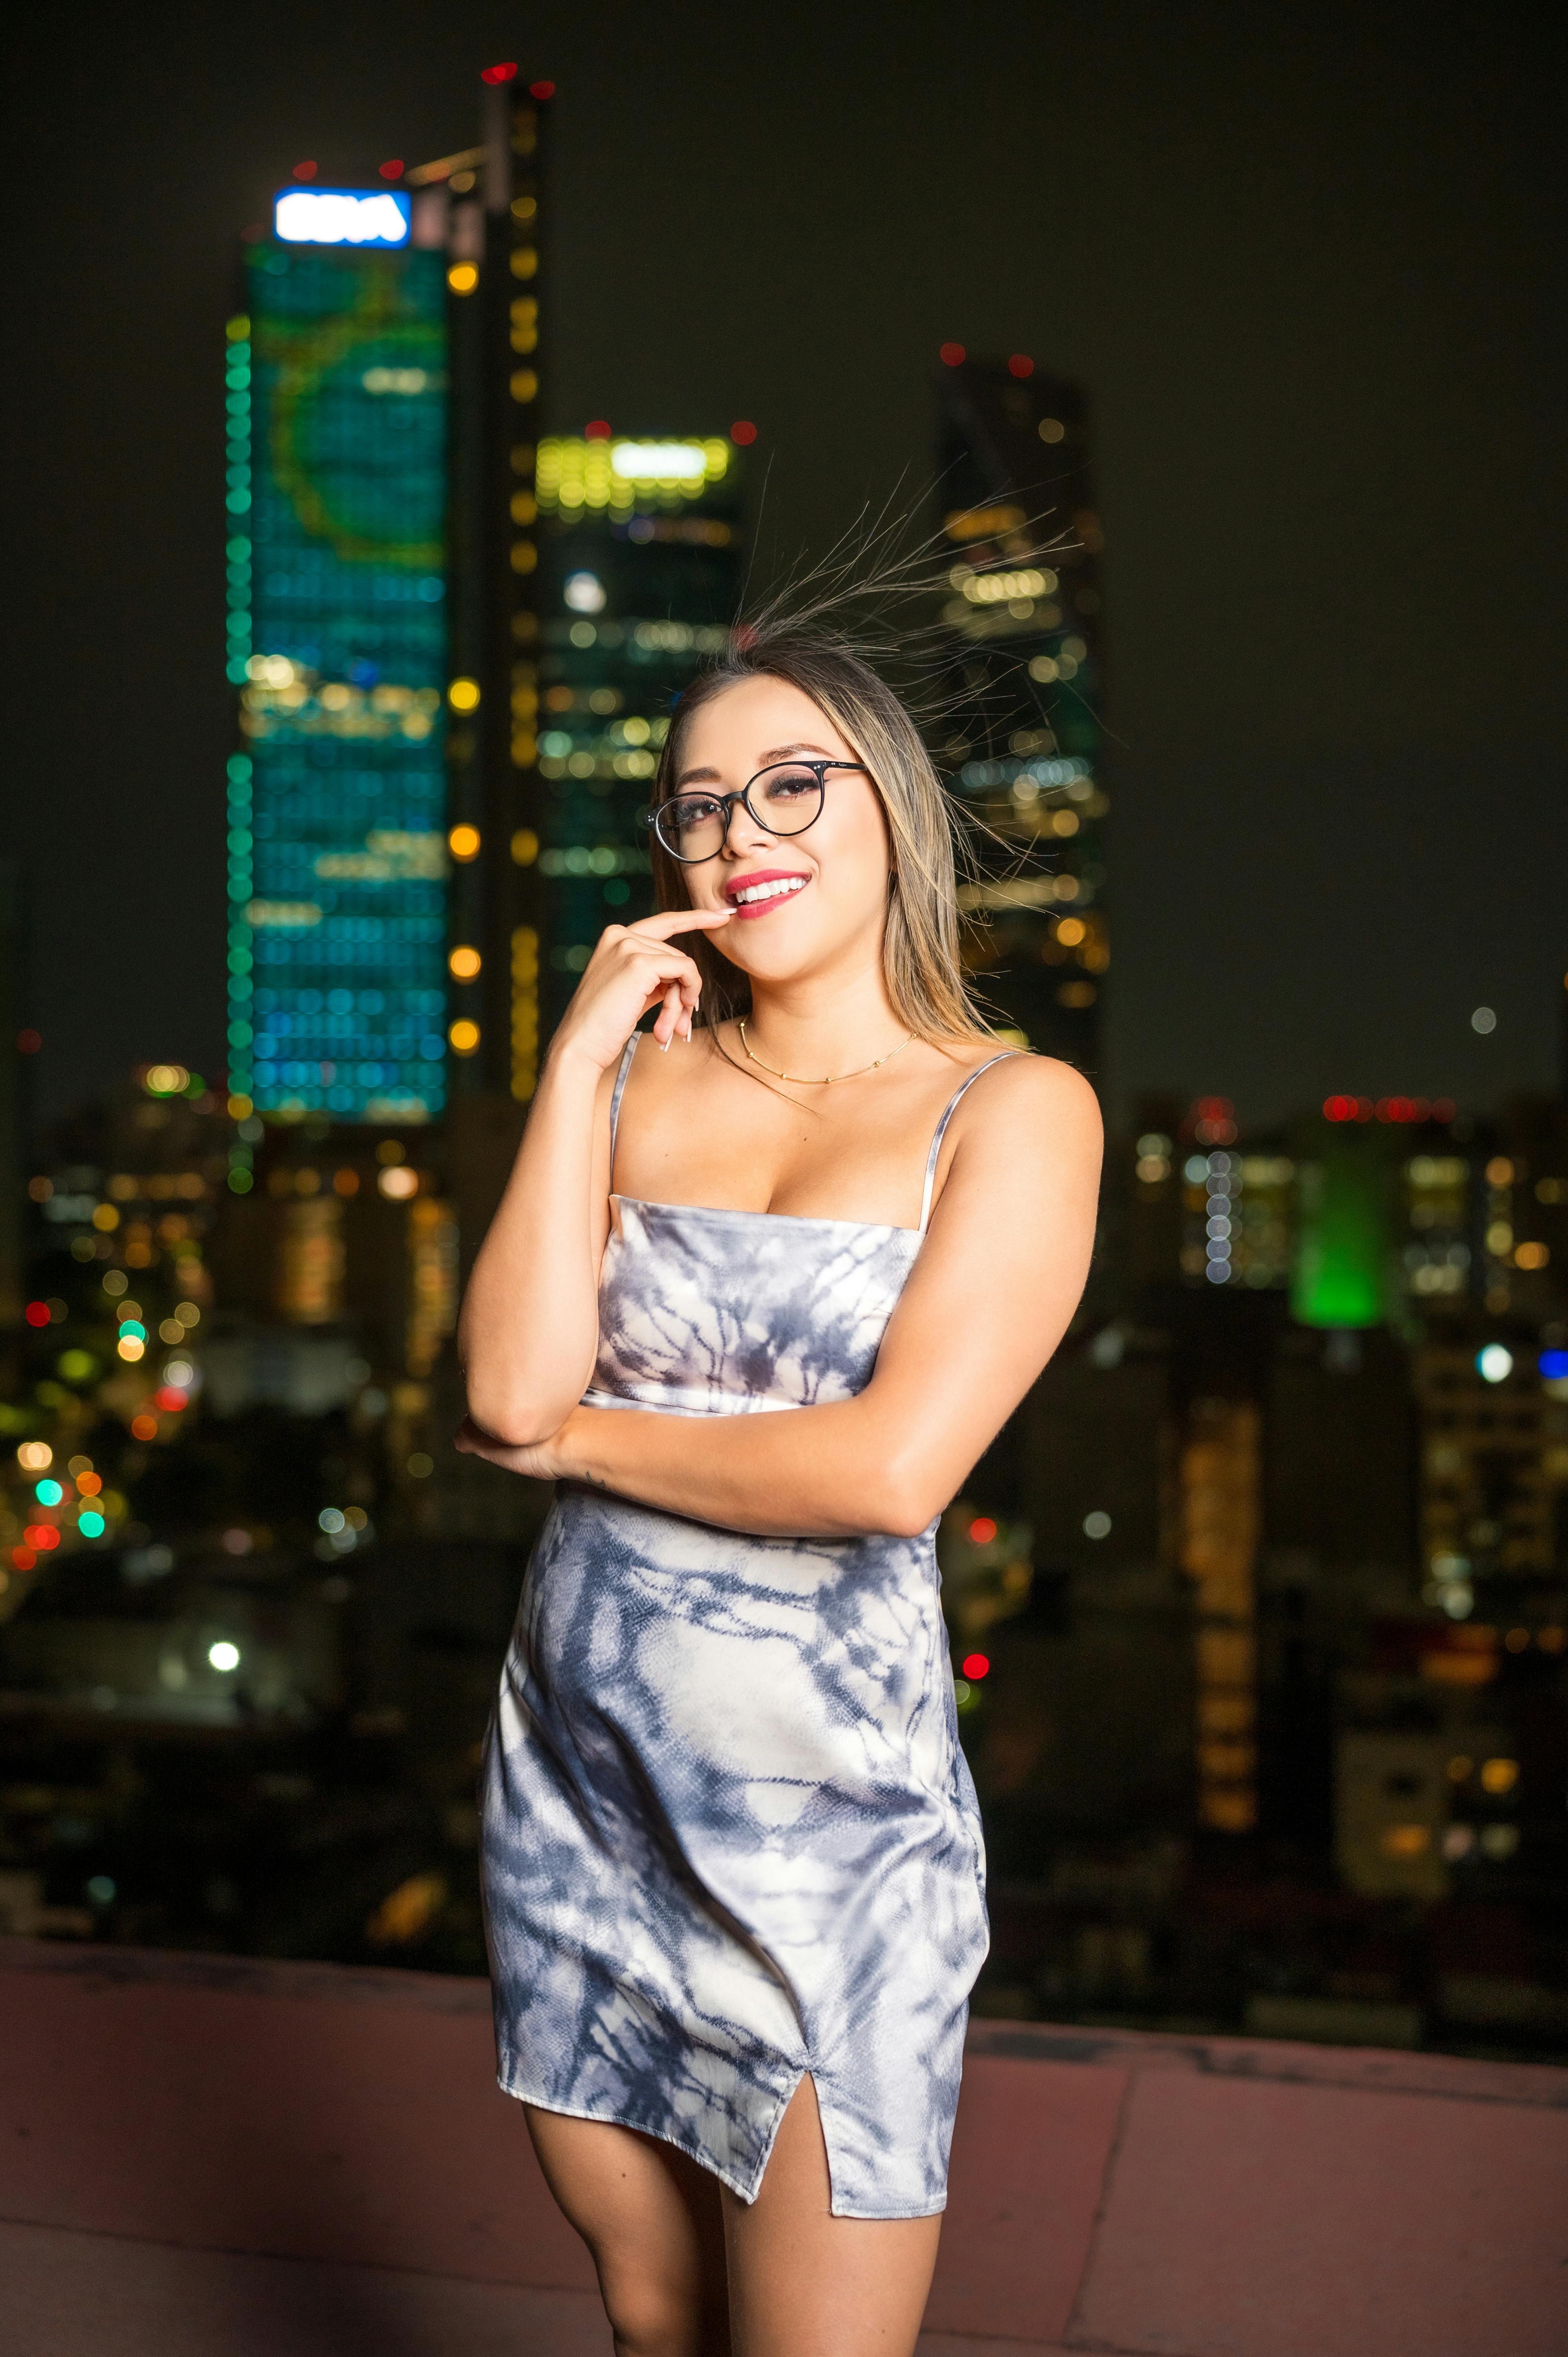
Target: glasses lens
<point>787,798</point>
<point>692,826</point>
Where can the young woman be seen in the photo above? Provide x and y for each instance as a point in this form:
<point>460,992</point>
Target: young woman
<point>731,1857</point>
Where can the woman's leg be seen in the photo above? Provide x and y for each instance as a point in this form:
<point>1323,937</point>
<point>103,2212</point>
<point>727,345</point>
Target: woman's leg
<point>805,2284</point>
<point>651,2218</point>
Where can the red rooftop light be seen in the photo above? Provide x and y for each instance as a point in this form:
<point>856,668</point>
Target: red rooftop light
<point>37,1313</point>
<point>498,74</point>
<point>1020,365</point>
<point>542,90</point>
<point>951,355</point>
<point>392,169</point>
<point>597,430</point>
<point>1402,1109</point>
<point>976,1665</point>
<point>28,1042</point>
<point>305,171</point>
<point>982,1529</point>
<point>743,431</point>
<point>1349,1109</point>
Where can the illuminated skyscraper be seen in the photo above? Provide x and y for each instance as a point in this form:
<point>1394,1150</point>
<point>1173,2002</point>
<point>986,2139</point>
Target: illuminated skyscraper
<point>1023,732</point>
<point>337,404</point>
<point>490,207</point>
<point>639,571</point>
<point>455,643</point>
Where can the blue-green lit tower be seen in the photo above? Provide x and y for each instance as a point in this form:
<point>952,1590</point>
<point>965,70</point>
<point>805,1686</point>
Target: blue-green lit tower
<point>337,647</point>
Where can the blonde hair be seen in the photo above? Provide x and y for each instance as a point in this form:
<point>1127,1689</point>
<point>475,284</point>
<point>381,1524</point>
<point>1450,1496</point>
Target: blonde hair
<point>920,959</point>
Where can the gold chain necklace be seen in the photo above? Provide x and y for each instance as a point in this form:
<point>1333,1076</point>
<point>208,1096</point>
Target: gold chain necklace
<point>829,1079</point>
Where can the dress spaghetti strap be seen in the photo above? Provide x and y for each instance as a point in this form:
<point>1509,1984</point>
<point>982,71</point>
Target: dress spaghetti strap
<point>952,1106</point>
<point>627,1052</point>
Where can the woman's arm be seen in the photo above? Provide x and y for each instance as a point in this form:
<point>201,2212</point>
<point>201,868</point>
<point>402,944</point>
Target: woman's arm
<point>529,1331</point>
<point>988,1300</point>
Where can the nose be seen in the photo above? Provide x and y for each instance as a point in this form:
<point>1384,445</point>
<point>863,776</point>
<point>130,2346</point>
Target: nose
<point>741,828</point>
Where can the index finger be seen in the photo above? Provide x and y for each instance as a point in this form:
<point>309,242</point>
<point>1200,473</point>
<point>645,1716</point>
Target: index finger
<point>665,923</point>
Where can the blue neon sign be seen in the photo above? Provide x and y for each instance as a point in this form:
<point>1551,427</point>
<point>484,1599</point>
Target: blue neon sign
<point>342,217</point>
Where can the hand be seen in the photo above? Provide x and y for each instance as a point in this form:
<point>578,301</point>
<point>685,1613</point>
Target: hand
<point>540,1460</point>
<point>635,967</point>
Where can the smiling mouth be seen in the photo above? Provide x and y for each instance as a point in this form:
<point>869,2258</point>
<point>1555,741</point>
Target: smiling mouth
<point>752,899</point>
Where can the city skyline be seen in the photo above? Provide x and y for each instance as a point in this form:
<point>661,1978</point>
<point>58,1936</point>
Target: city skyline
<point>1336,814</point>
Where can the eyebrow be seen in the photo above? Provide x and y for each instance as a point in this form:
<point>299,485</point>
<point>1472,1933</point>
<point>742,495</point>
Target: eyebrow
<point>778,753</point>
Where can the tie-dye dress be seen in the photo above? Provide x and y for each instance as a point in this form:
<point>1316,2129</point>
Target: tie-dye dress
<point>729,1836</point>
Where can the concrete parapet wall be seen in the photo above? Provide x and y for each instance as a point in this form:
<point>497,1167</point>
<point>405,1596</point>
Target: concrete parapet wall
<point>229,2158</point>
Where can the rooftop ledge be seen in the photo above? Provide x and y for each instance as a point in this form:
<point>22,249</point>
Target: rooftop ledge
<point>212,2156</point>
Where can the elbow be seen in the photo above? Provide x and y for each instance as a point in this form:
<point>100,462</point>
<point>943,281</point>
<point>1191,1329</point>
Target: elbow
<point>907,1501</point>
<point>515,1423</point>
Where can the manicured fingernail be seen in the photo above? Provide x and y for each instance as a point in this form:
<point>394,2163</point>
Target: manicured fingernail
<point>664,1047</point>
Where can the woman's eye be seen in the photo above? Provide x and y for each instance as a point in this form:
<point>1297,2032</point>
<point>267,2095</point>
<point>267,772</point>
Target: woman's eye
<point>789,784</point>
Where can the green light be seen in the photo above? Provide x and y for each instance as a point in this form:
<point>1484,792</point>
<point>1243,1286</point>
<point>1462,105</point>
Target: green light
<point>90,1522</point>
<point>1341,1271</point>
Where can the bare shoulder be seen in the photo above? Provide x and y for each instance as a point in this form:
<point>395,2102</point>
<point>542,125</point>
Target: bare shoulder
<point>1030,1116</point>
<point>1030,1091</point>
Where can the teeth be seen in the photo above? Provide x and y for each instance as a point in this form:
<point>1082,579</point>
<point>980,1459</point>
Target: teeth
<point>770,892</point>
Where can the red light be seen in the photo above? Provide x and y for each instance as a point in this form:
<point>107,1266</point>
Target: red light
<point>743,431</point>
<point>1442,1108</point>
<point>597,430</point>
<point>23,1558</point>
<point>42,1536</point>
<point>144,1427</point>
<point>498,74</point>
<point>29,1042</point>
<point>38,1313</point>
<point>1338,1108</point>
<point>975,1666</point>
<point>982,1529</point>
<point>951,355</point>
<point>542,90</point>
<point>171,1399</point>
<point>1363,1108</point>
<point>1020,365</point>
<point>392,169</point>
<point>305,171</point>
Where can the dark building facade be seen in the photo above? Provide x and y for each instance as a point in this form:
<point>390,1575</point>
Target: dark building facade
<point>1022,735</point>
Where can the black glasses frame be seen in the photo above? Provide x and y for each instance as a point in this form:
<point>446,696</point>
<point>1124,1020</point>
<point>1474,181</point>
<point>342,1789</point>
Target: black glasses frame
<point>726,803</point>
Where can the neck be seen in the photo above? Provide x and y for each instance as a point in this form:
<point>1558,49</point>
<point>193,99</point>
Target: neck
<point>824,1025</point>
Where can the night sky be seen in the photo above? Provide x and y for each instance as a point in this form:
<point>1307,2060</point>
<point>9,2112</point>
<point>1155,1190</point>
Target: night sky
<point>1308,263</point>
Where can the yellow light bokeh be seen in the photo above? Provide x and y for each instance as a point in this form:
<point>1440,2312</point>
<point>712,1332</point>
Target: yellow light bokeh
<point>464,1037</point>
<point>465,962</point>
<point>463,695</point>
<point>462,278</point>
<point>463,843</point>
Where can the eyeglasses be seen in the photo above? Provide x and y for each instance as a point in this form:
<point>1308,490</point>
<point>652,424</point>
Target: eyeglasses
<point>693,827</point>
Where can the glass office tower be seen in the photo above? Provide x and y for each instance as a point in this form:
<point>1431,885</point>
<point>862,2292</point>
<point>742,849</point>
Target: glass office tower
<point>641,574</point>
<point>1023,733</point>
<point>337,502</point>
